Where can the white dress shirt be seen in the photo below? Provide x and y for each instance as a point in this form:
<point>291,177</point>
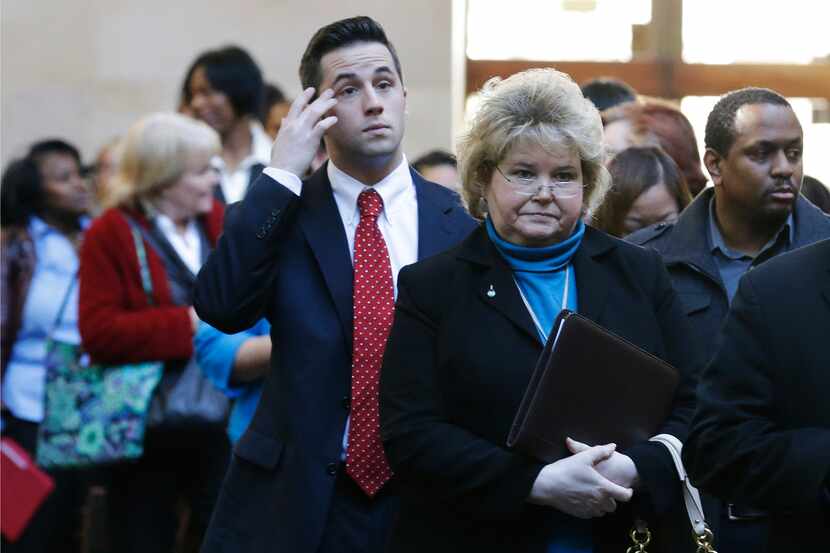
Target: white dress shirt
<point>188,245</point>
<point>234,183</point>
<point>398,222</point>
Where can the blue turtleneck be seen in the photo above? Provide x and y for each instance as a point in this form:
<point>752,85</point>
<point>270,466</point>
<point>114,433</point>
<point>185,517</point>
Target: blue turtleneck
<point>540,273</point>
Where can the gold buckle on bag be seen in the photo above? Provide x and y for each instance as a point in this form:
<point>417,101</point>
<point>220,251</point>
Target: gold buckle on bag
<point>641,537</point>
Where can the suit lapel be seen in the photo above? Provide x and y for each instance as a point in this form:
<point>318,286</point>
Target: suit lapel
<point>323,228</point>
<point>592,278</point>
<point>434,232</point>
<point>496,287</point>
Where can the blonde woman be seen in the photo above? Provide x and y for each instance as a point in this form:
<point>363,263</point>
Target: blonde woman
<point>164,186</point>
<point>471,322</point>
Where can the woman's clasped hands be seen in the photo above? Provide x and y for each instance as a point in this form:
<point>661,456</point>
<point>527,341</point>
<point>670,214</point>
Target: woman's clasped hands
<point>589,483</point>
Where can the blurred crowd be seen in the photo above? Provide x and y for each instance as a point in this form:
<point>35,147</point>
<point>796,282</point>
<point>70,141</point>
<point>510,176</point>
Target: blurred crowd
<point>70,273</point>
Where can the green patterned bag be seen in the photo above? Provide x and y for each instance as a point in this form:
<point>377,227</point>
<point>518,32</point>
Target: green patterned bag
<point>94,414</point>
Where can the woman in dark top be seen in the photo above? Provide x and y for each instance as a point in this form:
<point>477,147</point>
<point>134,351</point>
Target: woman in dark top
<point>471,322</point>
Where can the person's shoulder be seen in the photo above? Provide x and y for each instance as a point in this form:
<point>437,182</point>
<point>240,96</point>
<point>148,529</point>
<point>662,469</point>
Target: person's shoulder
<point>624,251</point>
<point>802,264</point>
<point>441,195</point>
<point>652,236</point>
<point>434,268</point>
<point>111,225</point>
<point>13,234</point>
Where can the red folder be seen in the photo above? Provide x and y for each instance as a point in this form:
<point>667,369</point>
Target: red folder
<point>23,487</point>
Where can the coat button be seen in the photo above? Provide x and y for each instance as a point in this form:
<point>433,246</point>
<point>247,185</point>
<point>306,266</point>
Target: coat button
<point>331,469</point>
<point>346,402</point>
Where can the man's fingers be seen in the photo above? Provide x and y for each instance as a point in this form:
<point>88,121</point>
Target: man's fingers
<point>575,446</point>
<point>319,107</point>
<point>299,103</point>
<point>323,125</point>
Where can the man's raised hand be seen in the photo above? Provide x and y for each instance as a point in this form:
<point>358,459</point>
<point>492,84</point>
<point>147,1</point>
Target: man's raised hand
<point>301,131</point>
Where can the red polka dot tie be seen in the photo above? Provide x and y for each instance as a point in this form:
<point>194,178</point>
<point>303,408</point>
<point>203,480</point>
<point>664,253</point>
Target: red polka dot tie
<point>374,305</point>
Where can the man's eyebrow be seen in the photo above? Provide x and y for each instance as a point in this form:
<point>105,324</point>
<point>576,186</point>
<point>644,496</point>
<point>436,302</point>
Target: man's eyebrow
<point>349,76</point>
<point>343,77</point>
<point>776,143</point>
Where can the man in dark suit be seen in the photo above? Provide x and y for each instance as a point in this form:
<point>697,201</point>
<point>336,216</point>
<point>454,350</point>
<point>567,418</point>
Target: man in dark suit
<point>761,434</point>
<point>318,259</point>
<point>754,212</point>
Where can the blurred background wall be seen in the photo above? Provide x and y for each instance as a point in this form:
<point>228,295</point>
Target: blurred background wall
<point>86,69</point>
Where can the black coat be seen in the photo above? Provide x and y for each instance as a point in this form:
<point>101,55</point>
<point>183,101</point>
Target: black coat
<point>286,258</point>
<point>456,367</point>
<point>761,434</point>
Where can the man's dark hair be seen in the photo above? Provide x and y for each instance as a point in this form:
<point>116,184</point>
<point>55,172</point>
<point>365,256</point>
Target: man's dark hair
<point>337,35</point>
<point>272,95</point>
<point>21,191</point>
<point>233,72</point>
<point>720,126</point>
<point>434,158</point>
<point>605,92</point>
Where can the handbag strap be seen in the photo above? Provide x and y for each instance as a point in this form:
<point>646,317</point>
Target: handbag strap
<point>694,508</point>
<point>62,308</point>
<point>141,252</point>
<point>641,535</point>
<point>144,267</point>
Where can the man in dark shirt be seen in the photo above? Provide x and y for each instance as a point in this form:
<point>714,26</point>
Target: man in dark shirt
<point>754,146</point>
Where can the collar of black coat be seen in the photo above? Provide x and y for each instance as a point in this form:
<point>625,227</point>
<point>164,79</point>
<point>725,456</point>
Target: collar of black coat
<point>498,289</point>
<point>690,242</point>
<point>477,247</point>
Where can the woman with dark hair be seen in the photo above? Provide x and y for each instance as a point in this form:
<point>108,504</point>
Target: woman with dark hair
<point>647,188</point>
<point>224,88</point>
<point>655,122</point>
<point>44,213</point>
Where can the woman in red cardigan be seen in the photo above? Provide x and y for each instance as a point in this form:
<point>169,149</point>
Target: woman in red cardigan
<point>165,186</point>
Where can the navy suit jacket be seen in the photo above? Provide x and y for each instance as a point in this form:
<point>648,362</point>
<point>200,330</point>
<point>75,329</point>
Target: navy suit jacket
<point>286,258</point>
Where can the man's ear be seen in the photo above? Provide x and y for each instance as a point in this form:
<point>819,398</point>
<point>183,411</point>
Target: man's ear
<point>712,160</point>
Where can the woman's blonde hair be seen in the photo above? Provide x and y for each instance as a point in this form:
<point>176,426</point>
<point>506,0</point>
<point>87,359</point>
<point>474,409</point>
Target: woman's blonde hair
<point>155,153</point>
<point>543,106</point>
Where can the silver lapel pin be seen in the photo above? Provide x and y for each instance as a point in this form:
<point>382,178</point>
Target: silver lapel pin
<point>491,293</point>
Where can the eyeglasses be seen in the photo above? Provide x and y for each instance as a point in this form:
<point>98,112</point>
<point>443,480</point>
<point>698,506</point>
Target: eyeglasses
<point>528,184</point>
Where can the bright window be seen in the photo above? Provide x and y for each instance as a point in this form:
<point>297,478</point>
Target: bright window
<point>563,30</point>
<point>754,31</point>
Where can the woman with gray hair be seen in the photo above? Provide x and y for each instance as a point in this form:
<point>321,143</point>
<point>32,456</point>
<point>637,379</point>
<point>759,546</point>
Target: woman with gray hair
<point>470,324</point>
<point>138,264</point>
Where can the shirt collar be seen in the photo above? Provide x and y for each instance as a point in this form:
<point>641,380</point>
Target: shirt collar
<point>392,189</point>
<point>260,150</point>
<point>719,244</point>
<point>167,226</point>
<point>38,228</point>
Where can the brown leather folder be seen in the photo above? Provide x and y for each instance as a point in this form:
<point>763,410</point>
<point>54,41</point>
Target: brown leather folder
<point>593,386</point>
